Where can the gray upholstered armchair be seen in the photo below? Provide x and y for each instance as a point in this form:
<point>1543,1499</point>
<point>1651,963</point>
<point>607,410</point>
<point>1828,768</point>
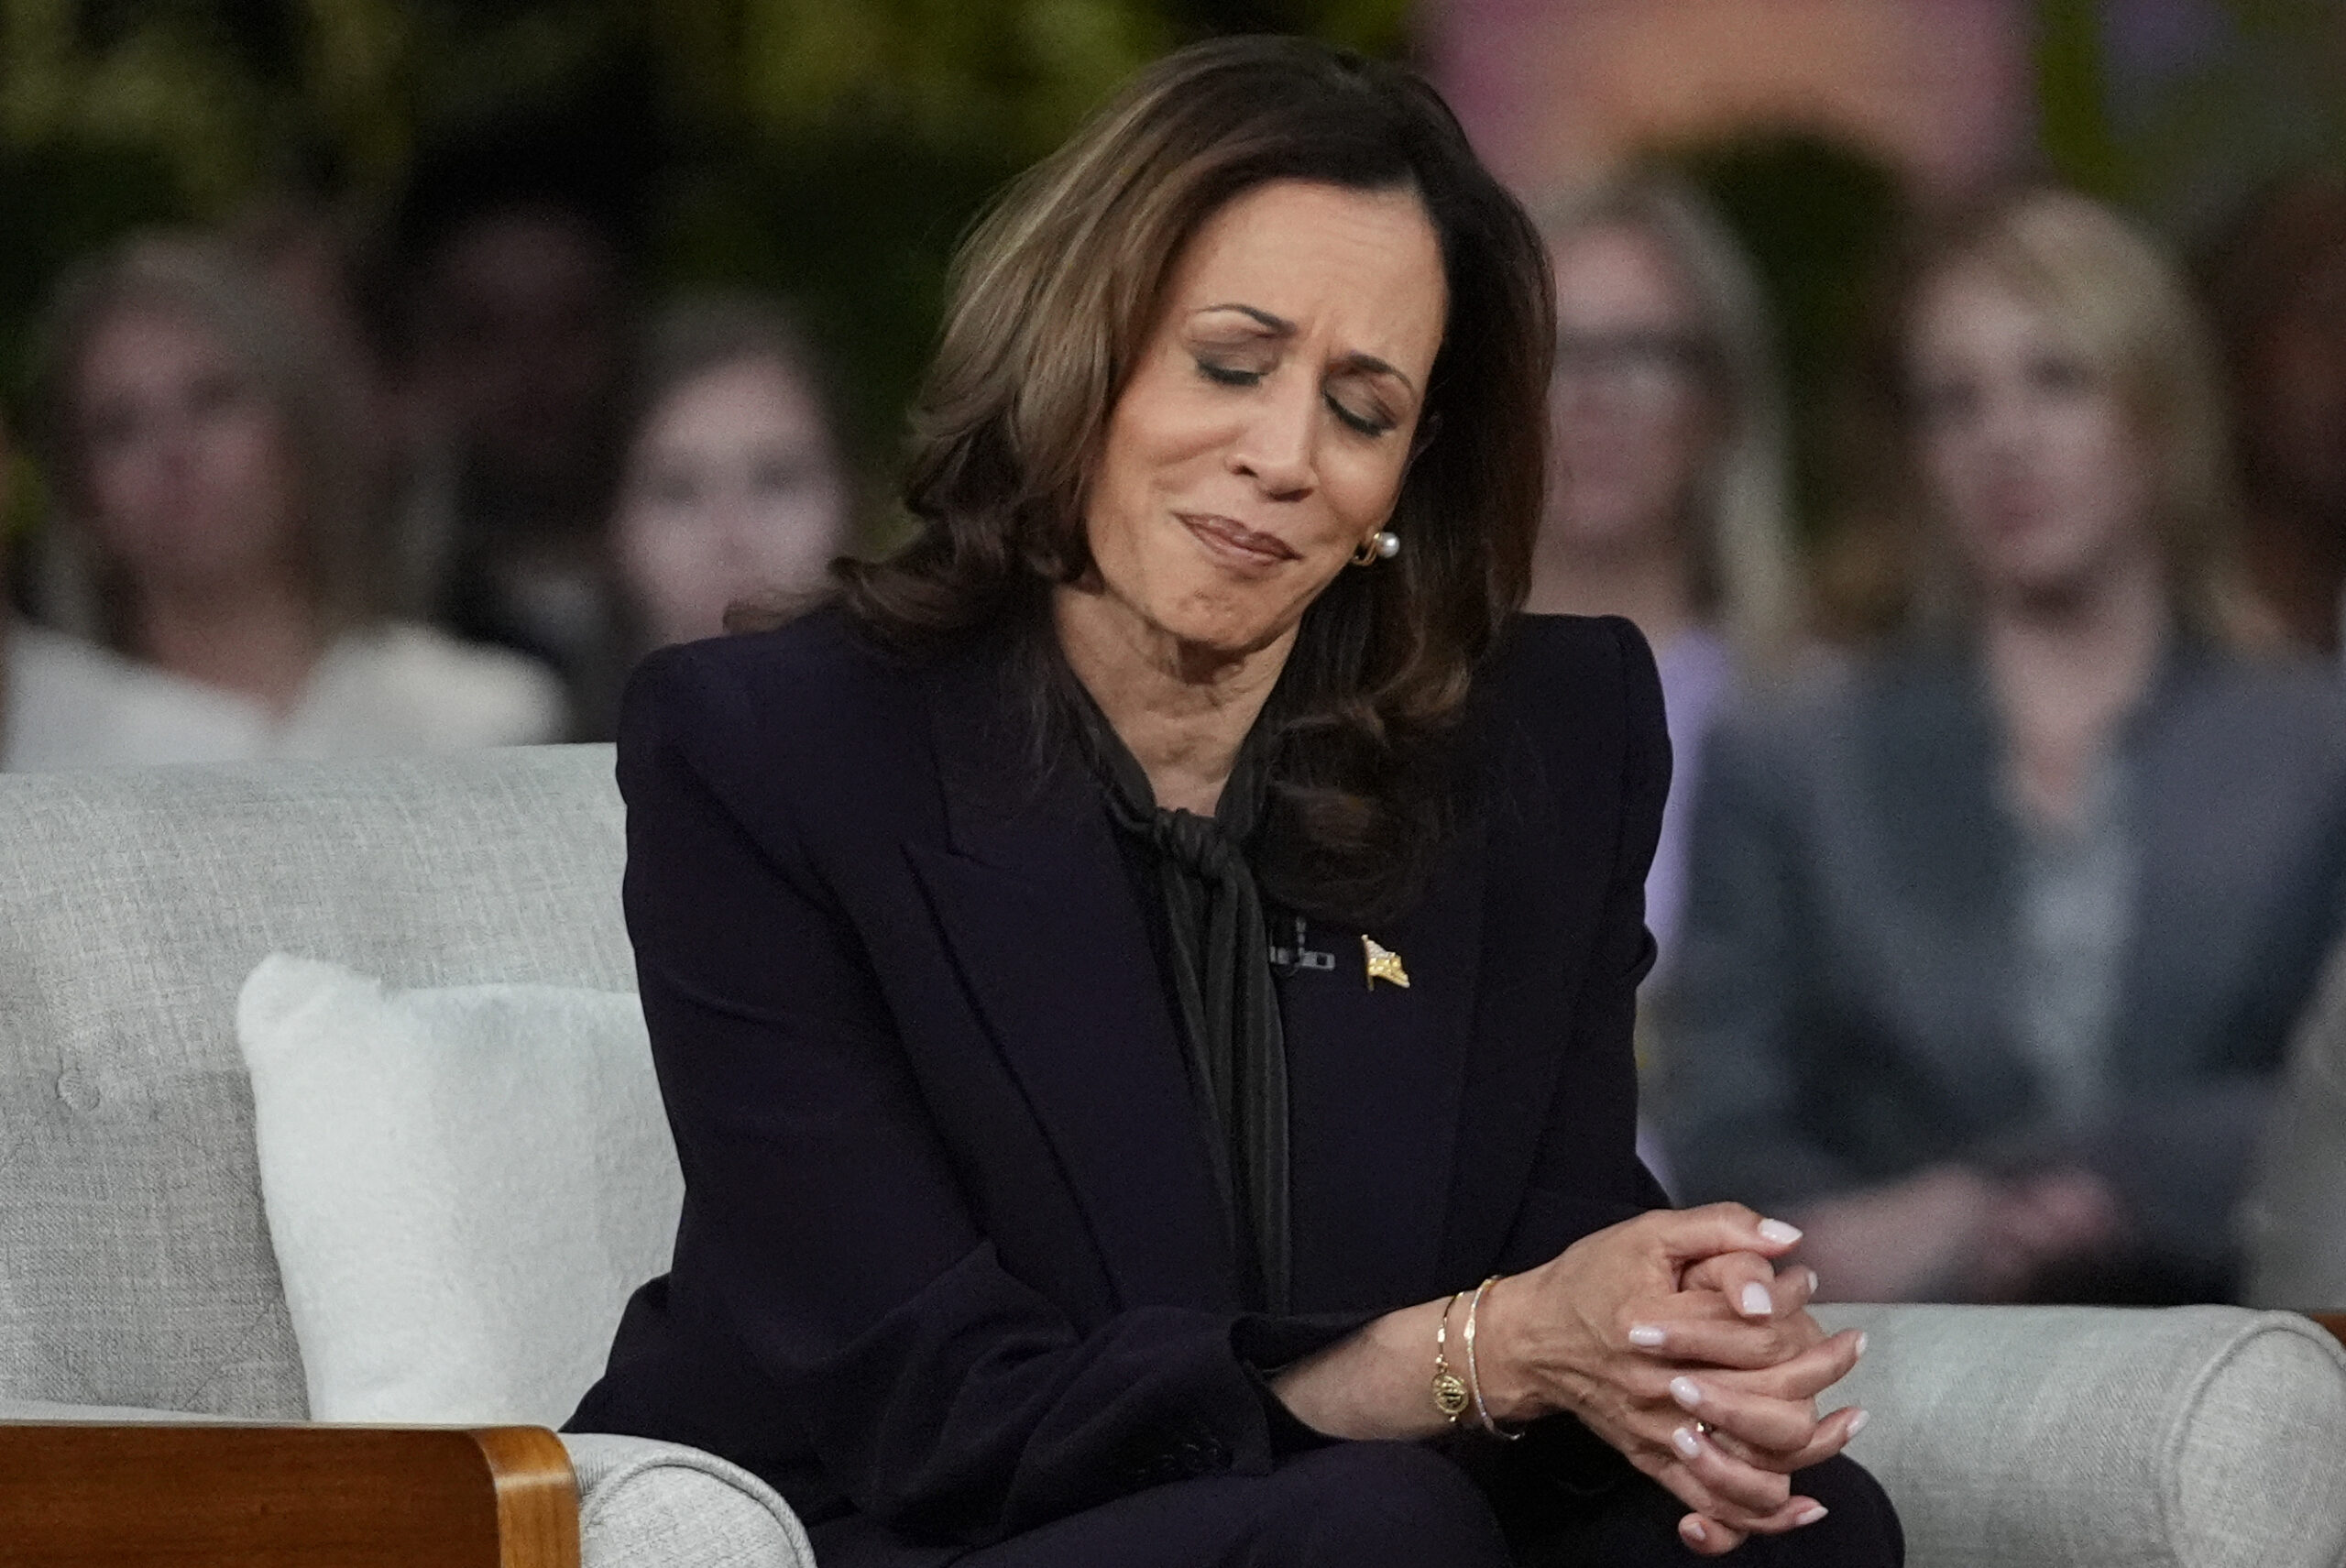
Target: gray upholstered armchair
<point>142,1305</point>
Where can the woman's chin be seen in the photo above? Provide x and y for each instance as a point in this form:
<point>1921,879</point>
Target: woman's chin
<point>1226,638</point>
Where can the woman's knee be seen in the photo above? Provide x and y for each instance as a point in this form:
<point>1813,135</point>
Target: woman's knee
<point>1380,1505</point>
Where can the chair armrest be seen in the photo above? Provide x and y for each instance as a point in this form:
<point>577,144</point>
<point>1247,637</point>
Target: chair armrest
<point>2065,1437</point>
<point>646,1504</point>
<point>325,1496</point>
<point>2334,1321</point>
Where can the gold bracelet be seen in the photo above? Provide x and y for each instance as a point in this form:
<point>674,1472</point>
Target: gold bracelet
<point>1451,1394</point>
<point>1474,1373</point>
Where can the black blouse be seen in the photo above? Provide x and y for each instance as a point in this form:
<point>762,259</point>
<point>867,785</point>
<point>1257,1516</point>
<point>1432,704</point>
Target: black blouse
<point>1215,945</point>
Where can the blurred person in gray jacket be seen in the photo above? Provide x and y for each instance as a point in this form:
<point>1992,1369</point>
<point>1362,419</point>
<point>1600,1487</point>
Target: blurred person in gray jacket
<point>1993,938</point>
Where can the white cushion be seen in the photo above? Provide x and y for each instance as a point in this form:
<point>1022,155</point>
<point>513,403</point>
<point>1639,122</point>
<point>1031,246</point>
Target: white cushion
<point>462,1186</point>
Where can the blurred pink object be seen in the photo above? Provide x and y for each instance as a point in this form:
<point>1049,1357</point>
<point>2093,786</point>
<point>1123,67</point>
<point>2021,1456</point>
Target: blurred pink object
<point>1554,91</point>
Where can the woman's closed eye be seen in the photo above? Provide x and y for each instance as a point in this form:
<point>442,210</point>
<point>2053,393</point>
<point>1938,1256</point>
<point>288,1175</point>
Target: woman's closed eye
<point>1367,421</point>
<point>1363,418</point>
<point>1222,373</point>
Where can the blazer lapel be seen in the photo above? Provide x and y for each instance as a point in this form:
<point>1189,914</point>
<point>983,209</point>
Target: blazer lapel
<point>1375,1075</point>
<point>1038,913</point>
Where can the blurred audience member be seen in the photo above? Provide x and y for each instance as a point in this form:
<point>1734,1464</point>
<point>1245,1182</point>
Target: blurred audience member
<point>733,487</point>
<point>66,703</point>
<point>214,527</point>
<point>1992,943</point>
<point>511,311</point>
<point>2294,1223</point>
<point>2278,289</point>
<point>1667,503</point>
<point>303,253</point>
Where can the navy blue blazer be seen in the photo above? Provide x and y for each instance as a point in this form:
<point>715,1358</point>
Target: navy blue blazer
<point>950,1264</point>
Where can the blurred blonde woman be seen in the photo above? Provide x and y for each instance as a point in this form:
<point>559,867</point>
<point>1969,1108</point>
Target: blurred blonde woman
<point>1666,499</point>
<point>1992,943</point>
<point>215,524</point>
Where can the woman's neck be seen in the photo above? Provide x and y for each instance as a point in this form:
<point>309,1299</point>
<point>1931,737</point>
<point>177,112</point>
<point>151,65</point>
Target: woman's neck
<point>1650,583</point>
<point>260,639</point>
<point>2065,670</point>
<point>1181,710</point>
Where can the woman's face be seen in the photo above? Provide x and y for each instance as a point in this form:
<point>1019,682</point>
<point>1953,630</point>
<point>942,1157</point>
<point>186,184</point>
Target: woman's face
<point>187,465</point>
<point>1632,417</point>
<point>731,491</point>
<point>2035,464</point>
<point>1267,424</point>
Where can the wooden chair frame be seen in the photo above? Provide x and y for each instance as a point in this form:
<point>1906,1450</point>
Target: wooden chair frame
<point>278,1496</point>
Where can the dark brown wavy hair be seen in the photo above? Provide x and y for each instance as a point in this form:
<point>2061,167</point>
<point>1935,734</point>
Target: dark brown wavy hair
<point>1054,295</point>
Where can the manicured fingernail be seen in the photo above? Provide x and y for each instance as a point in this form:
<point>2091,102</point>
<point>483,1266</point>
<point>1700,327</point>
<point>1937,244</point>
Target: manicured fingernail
<point>1861,1343</point>
<point>1692,1529</point>
<point>1647,1335</point>
<point>1685,1440</point>
<point>1777,1231</point>
<point>1756,1302</point>
<point>1809,1515</point>
<point>1687,1392</point>
<point>1857,1422</point>
<point>1813,1282</point>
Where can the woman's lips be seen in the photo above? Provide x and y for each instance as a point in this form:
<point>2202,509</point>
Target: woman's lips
<point>1232,541</point>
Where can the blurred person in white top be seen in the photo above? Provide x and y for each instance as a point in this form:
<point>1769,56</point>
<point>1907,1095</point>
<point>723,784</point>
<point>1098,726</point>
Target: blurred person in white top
<point>67,703</point>
<point>215,525</point>
<point>734,488</point>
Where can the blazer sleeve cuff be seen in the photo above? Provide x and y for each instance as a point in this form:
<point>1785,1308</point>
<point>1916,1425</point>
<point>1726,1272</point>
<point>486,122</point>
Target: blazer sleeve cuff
<point>1265,1345</point>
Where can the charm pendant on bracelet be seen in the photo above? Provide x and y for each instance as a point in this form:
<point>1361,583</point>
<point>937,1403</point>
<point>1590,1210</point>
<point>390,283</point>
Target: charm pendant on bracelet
<point>1451,1394</point>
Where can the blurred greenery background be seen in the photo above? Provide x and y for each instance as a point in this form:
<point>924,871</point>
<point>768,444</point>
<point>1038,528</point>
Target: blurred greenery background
<point>833,149</point>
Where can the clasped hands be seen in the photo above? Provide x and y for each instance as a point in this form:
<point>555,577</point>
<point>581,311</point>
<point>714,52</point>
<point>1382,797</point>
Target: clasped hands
<point>1675,1338</point>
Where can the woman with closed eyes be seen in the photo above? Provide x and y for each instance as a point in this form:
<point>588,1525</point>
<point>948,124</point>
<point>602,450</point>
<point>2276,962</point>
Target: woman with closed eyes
<point>1143,981</point>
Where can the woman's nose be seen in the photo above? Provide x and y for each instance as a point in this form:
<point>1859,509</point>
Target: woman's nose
<point>1277,447</point>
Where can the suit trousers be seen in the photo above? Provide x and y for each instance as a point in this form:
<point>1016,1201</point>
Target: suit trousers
<point>1396,1505</point>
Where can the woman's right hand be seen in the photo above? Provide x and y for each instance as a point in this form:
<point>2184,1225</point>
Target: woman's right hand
<point>1648,1327</point>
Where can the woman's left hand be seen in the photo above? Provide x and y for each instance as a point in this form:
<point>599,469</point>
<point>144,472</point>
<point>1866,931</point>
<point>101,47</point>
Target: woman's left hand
<point>1608,1327</point>
<point>1753,1402</point>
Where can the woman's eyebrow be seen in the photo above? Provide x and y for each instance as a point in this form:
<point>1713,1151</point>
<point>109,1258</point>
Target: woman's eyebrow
<point>1369,364</point>
<point>1281,327</point>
